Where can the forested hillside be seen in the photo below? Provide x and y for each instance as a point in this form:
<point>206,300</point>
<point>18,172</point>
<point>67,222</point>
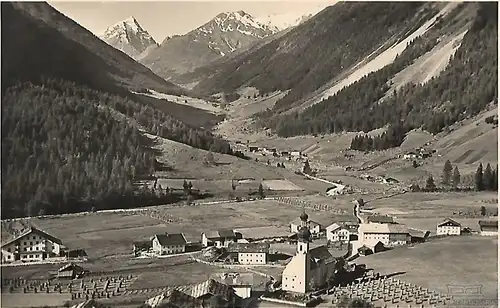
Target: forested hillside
<point>64,150</point>
<point>467,86</point>
<point>315,52</point>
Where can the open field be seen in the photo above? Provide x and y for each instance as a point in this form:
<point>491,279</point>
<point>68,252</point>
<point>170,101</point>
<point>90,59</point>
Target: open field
<point>280,185</point>
<point>434,205</point>
<point>34,300</point>
<point>465,260</point>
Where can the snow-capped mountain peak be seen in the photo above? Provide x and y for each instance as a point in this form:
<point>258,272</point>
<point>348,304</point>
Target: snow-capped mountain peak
<point>128,36</point>
<point>282,21</point>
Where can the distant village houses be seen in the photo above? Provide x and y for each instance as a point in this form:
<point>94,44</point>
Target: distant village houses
<point>314,227</point>
<point>389,234</point>
<point>219,238</point>
<point>448,227</point>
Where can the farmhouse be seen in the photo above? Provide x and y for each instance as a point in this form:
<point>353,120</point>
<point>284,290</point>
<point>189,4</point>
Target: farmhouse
<point>418,236</point>
<point>70,271</point>
<point>309,268</point>
<point>169,243</point>
<point>253,149</point>
<point>380,219</point>
<point>240,282</point>
<point>296,154</point>
<point>219,238</point>
<point>388,234</point>
<point>448,227</point>
<point>488,227</point>
<point>368,249</point>
<point>32,245</point>
<point>250,253</point>
<point>314,227</point>
<point>337,233</point>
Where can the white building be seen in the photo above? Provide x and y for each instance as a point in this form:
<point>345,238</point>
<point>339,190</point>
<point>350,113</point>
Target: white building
<point>448,227</point>
<point>488,227</point>
<point>309,268</point>
<point>389,234</point>
<point>314,227</point>
<point>166,244</point>
<point>32,245</point>
<point>240,282</point>
<point>250,253</point>
<point>337,233</point>
<point>219,238</point>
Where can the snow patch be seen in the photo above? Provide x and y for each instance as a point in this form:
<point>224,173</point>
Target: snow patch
<point>385,58</point>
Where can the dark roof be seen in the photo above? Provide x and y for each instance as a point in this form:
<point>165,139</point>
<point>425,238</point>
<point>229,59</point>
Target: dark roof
<point>179,299</point>
<point>450,221</point>
<point>171,239</point>
<point>142,244</point>
<point>37,231</point>
<point>380,219</point>
<point>212,287</point>
<point>221,233</point>
<point>248,247</point>
<point>70,267</point>
<point>320,252</point>
<point>419,233</point>
<point>488,223</point>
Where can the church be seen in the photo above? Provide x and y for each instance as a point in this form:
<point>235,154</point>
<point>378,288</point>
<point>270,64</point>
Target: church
<point>309,268</point>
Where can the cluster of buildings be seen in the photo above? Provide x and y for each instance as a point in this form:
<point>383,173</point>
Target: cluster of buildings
<point>289,154</point>
<point>419,153</point>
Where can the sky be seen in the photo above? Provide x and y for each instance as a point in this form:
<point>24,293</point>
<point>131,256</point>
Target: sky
<point>167,18</point>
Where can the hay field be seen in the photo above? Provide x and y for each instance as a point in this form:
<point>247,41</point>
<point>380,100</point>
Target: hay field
<point>429,205</point>
<point>280,185</point>
<point>465,260</point>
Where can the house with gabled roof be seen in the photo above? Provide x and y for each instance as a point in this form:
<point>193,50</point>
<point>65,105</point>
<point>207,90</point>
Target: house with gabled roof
<point>448,227</point>
<point>250,253</point>
<point>241,283</point>
<point>314,227</point>
<point>218,238</point>
<point>32,245</point>
<point>380,219</point>
<point>338,233</point>
<point>488,227</point>
<point>388,234</point>
<point>169,243</point>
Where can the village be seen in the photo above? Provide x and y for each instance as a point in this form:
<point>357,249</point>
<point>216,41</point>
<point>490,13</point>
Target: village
<point>315,263</point>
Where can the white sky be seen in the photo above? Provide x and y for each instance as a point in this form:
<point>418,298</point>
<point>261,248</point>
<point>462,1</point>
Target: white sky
<point>167,18</point>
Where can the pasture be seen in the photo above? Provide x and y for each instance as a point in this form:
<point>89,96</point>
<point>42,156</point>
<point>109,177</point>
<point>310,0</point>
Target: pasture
<point>462,261</point>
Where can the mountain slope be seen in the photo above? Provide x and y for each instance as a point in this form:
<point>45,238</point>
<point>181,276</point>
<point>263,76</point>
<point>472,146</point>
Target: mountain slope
<point>466,87</point>
<point>73,53</point>
<point>316,51</point>
<point>129,37</point>
<point>224,34</point>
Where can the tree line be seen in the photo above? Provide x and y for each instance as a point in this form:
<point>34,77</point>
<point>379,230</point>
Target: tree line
<point>486,180</point>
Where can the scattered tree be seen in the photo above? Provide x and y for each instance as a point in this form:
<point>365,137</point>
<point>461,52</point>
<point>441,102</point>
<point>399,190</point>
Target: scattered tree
<point>456,177</point>
<point>479,178</point>
<point>447,172</point>
<point>261,191</point>
<point>430,185</point>
<point>307,168</point>
<point>415,164</point>
<point>488,178</point>
<point>483,210</point>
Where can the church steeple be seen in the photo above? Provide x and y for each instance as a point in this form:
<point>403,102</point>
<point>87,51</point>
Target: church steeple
<point>303,235</point>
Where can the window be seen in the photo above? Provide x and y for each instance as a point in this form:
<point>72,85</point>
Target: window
<point>25,249</point>
<point>25,243</point>
<point>31,256</point>
<point>8,257</point>
<point>8,249</point>
<point>37,242</point>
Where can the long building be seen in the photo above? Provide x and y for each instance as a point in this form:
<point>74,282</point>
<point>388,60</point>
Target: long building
<point>388,234</point>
